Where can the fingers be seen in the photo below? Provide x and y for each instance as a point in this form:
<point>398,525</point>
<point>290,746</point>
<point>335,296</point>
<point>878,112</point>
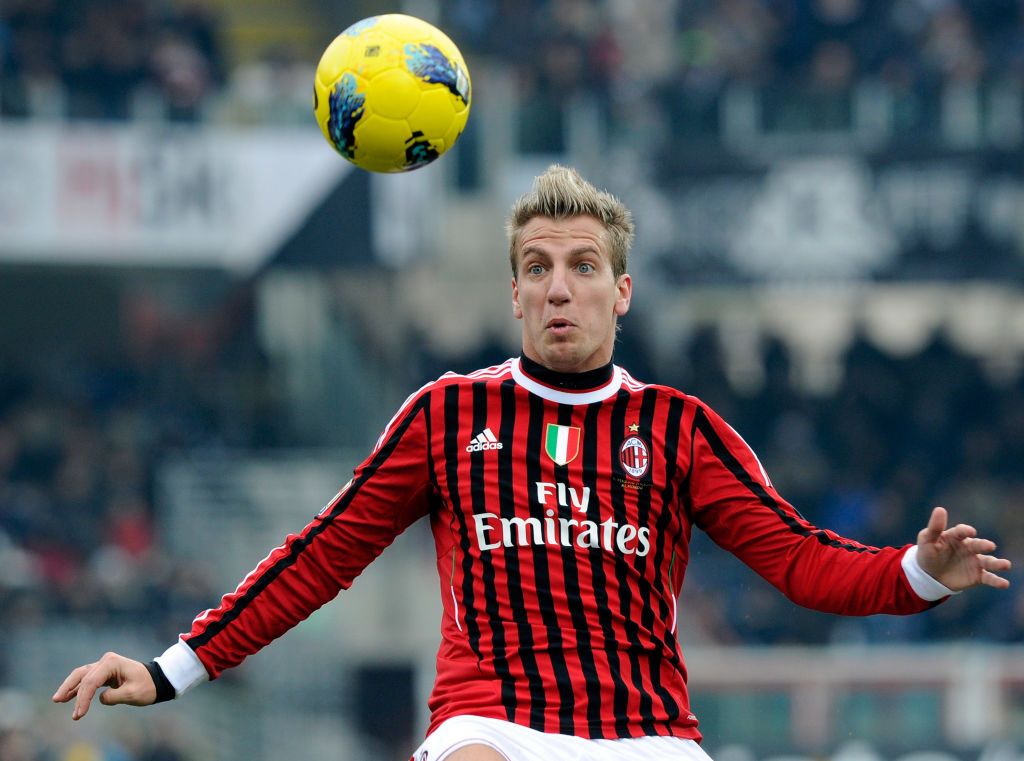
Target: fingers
<point>979,546</point>
<point>936,525</point>
<point>991,563</point>
<point>960,532</point>
<point>69,687</point>
<point>990,566</point>
<point>83,682</point>
<point>95,678</point>
<point>990,579</point>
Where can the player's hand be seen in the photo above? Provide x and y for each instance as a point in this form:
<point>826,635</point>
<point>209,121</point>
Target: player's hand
<point>957,557</point>
<point>128,682</point>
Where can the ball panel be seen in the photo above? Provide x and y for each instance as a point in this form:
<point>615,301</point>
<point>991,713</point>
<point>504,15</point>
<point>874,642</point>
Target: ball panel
<point>381,139</point>
<point>435,113</point>
<point>374,53</point>
<point>393,93</point>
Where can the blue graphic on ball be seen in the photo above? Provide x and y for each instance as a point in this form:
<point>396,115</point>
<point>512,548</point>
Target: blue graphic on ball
<point>346,105</point>
<point>360,26</point>
<point>419,151</point>
<point>431,65</point>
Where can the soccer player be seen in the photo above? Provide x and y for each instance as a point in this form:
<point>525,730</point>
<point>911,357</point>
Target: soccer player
<point>562,493</point>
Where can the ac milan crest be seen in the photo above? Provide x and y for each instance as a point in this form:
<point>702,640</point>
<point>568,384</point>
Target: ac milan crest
<point>635,457</point>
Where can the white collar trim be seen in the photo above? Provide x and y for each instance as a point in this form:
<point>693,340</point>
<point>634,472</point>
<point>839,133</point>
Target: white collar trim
<point>567,397</point>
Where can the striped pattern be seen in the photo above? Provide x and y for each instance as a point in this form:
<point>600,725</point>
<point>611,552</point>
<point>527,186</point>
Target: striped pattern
<point>560,573</point>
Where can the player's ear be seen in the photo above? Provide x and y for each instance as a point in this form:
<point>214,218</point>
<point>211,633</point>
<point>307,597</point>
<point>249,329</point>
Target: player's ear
<point>517,311</point>
<point>624,286</point>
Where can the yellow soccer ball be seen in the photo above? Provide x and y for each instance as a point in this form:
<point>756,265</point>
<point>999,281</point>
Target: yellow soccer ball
<point>391,93</point>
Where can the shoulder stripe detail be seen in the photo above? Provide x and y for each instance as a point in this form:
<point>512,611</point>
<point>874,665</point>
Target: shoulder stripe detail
<point>495,371</point>
<point>632,383</point>
<point>299,545</point>
<point>793,521</point>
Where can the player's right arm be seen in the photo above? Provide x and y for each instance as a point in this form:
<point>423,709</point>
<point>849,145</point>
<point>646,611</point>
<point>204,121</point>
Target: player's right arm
<point>388,491</point>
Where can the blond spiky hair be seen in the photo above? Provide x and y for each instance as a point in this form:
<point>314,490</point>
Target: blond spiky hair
<point>560,192</point>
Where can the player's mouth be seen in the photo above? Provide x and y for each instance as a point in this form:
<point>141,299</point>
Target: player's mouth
<point>559,326</point>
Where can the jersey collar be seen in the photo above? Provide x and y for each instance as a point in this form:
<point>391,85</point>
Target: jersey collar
<point>567,396</point>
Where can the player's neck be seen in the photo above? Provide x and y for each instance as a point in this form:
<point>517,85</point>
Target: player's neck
<point>573,381</point>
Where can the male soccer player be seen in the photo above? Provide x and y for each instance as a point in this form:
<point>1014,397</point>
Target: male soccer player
<point>561,493</point>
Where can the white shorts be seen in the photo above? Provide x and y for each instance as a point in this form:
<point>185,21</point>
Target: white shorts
<point>518,743</point>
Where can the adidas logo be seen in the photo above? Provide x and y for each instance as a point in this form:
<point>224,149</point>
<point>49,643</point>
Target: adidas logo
<point>484,440</point>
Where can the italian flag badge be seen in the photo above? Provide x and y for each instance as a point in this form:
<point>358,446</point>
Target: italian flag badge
<point>562,443</point>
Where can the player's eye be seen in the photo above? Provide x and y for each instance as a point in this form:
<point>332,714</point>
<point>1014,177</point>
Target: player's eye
<point>585,268</point>
<point>535,269</point>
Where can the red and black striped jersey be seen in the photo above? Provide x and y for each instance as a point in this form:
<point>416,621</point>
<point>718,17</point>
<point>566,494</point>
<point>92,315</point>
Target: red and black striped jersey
<point>562,520</point>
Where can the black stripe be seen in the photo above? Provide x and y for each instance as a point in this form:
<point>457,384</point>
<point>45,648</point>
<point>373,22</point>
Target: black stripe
<point>451,460</point>
<point>663,588</point>
<point>478,498</point>
<point>622,568</point>
<point>721,451</point>
<point>534,446</point>
<point>507,501</point>
<point>545,601</point>
<point>648,404</point>
<point>663,583</point>
<point>620,693</point>
<point>431,465</point>
<point>300,544</point>
<point>570,570</point>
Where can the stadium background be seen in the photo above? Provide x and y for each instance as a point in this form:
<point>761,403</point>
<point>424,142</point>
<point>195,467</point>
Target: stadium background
<point>206,318</point>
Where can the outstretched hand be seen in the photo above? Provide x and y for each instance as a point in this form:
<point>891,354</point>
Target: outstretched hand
<point>956,557</point>
<point>128,682</point>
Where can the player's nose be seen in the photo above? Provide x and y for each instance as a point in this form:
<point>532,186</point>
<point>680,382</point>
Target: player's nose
<point>558,288</point>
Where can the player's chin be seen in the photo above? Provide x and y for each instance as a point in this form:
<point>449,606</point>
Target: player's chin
<point>563,356</point>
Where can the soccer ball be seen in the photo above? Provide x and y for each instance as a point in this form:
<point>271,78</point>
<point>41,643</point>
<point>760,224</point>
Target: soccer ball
<point>391,93</point>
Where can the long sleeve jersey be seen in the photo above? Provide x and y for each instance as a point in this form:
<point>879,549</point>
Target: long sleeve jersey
<point>562,519</point>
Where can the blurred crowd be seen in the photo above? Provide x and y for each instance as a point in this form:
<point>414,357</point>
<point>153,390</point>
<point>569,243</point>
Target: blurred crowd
<point>665,62</point>
<point>664,66</point>
<point>82,434</point>
<point>108,59</point>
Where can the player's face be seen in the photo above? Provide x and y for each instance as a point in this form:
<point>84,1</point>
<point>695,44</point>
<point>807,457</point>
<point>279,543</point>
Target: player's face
<point>566,293</point>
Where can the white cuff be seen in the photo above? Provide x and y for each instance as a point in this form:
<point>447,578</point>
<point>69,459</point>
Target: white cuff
<point>924,585</point>
<point>182,667</point>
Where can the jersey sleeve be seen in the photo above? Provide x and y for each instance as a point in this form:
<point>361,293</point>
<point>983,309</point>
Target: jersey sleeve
<point>734,501</point>
<point>387,493</point>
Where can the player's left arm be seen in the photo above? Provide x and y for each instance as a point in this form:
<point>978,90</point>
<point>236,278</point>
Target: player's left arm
<point>957,557</point>
<point>734,501</point>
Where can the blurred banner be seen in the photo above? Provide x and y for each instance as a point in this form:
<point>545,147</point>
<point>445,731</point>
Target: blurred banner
<point>157,196</point>
<point>913,215</point>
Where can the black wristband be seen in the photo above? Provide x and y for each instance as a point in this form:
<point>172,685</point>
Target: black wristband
<point>164,689</point>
